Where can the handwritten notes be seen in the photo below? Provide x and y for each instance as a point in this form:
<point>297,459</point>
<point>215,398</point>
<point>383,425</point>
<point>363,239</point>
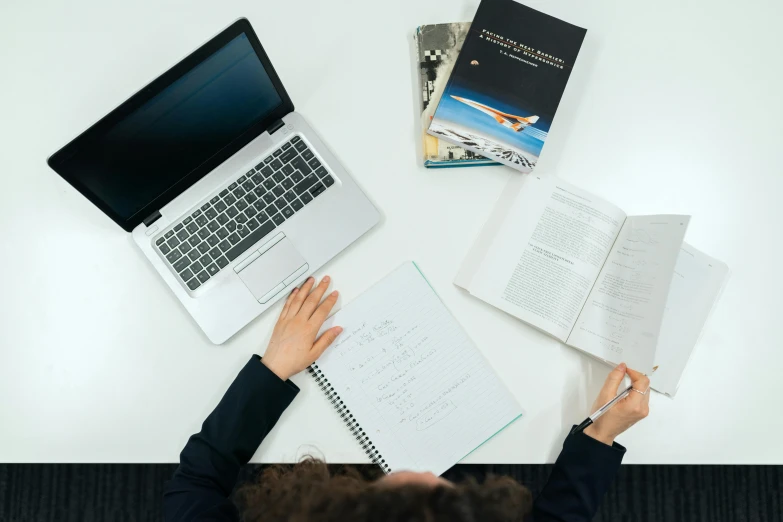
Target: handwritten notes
<point>412,378</point>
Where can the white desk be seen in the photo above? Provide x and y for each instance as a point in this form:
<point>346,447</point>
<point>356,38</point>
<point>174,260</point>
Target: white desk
<point>672,107</point>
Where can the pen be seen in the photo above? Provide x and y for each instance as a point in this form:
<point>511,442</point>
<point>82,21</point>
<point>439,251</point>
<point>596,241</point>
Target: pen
<point>603,409</point>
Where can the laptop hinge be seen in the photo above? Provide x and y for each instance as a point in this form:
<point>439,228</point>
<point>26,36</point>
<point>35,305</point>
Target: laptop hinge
<point>275,126</point>
<point>152,218</point>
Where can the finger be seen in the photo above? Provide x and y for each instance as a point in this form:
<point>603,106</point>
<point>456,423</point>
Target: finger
<point>311,303</point>
<point>300,296</point>
<point>326,339</point>
<point>613,381</point>
<point>288,302</point>
<point>323,310</point>
<point>636,401</point>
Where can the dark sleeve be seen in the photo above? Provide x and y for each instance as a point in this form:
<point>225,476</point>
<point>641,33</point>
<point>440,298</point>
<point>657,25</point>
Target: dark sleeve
<point>210,463</point>
<point>582,474</point>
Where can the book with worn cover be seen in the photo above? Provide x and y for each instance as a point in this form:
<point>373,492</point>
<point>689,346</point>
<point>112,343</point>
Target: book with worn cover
<point>507,82</point>
<point>437,48</point>
<point>620,288</point>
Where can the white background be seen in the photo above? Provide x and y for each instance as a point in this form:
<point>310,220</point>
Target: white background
<point>674,106</point>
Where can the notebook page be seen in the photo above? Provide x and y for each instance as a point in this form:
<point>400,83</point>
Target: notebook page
<point>411,377</point>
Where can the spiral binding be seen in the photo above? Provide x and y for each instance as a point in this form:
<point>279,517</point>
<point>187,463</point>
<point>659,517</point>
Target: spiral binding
<point>353,424</point>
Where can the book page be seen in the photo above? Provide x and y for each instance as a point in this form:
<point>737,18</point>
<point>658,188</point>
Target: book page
<point>547,254</point>
<point>696,285</point>
<point>621,319</point>
<point>411,378</point>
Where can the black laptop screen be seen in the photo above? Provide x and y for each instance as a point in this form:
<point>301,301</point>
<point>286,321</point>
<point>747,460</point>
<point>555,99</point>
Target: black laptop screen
<point>139,157</point>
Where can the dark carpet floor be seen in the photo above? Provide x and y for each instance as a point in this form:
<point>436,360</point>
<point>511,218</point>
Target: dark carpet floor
<point>123,493</point>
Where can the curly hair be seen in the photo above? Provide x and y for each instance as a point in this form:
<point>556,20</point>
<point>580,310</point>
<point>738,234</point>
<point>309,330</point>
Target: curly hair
<point>309,491</point>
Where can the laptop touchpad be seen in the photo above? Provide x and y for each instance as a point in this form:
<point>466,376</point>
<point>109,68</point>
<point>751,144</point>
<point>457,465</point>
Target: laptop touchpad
<point>267,272</point>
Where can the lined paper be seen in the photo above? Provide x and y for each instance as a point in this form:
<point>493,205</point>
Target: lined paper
<point>412,378</point>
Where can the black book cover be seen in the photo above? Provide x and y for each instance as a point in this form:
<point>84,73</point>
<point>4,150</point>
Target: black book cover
<point>506,85</point>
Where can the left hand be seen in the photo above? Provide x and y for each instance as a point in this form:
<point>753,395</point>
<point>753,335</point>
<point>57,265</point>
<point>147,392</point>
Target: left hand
<point>293,346</point>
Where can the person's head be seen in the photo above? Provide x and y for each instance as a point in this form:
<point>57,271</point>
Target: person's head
<point>308,491</point>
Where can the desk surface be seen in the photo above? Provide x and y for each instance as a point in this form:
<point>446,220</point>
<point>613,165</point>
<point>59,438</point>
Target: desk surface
<point>672,107</point>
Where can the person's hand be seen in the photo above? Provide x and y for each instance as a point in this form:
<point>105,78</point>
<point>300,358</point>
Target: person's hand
<point>293,346</point>
<point>625,413</point>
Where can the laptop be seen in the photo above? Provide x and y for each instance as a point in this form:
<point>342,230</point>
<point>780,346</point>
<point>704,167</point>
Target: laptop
<point>226,189</point>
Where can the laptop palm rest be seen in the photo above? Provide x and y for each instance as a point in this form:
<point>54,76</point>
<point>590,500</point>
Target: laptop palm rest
<point>273,270</point>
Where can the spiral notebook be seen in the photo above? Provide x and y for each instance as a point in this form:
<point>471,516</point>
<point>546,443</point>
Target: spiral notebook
<point>413,389</point>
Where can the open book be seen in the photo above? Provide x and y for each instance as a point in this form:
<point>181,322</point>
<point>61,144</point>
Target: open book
<point>412,387</point>
<point>578,268</point>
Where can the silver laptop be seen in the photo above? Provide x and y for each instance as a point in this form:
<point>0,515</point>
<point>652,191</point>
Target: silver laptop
<point>228,192</point>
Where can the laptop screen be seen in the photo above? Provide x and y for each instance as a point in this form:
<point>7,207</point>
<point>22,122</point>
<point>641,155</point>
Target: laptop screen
<point>128,164</point>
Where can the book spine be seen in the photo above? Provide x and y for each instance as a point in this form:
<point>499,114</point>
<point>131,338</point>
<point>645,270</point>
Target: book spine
<point>345,414</point>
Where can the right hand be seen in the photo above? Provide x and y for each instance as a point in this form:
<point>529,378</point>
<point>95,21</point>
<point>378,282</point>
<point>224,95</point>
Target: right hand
<point>625,413</point>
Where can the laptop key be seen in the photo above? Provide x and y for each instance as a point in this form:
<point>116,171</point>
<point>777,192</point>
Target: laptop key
<point>259,205</point>
<point>194,283</point>
<point>306,198</point>
<point>261,217</point>
<point>213,269</point>
<point>193,255</point>
<point>295,139</point>
<point>194,240</point>
<point>267,171</point>
<point>307,154</point>
<point>241,218</point>
<point>173,242</point>
<point>211,213</point>
<point>277,153</point>
<point>222,233</point>
<point>196,214</point>
<point>169,234</point>
<point>321,172</point>
<point>296,177</point>
<point>213,225</point>
<point>278,191</point>
<point>201,221</point>
<point>203,247</point>
<point>314,163</point>
<point>178,227</point>
<point>241,204</point>
<point>301,165</point>
<point>317,189</point>
<point>181,264</point>
<point>232,186</point>
<point>268,160</point>
<point>203,233</point>
<point>184,247</point>
<point>220,206</point>
<point>205,260</point>
<point>305,184</point>
<point>278,219</point>
<point>231,226</point>
<point>196,267</point>
<point>252,224</point>
<point>223,193</point>
<point>225,246</point>
<point>232,211</point>
<point>259,191</point>
<point>187,221</point>
<point>287,155</point>
<point>233,238</point>
<point>186,274</point>
<point>160,241</point>
<point>288,169</point>
<point>205,206</point>
<point>164,249</point>
<point>222,219</point>
<point>269,197</point>
<point>289,196</point>
<point>287,184</point>
<point>250,240</point>
<point>278,177</point>
<point>203,276</point>
<point>296,205</point>
<point>276,165</point>
<point>192,228</point>
<point>214,200</point>
<point>243,178</point>
<point>300,146</point>
<point>222,262</point>
<point>215,253</point>
<point>230,199</point>
<point>250,212</point>
<point>212,240</point>
<point>248,186</point>
<point>238,193</point>
<point>286,146</point>
<point>287,212</point>
<point>257,178</point>
<point>280,203</point>
<point>244,231</point>
<point>328,181</point>
<point>173,256</point>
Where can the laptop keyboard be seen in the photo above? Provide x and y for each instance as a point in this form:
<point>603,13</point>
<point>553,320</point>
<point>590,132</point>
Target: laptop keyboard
<point>208,239</point>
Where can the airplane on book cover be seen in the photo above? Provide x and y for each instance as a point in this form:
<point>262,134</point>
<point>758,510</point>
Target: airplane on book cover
<point>502,118</point>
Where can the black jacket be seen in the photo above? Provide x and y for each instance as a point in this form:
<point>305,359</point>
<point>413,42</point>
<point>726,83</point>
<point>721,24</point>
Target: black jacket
<point>210,463</point>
